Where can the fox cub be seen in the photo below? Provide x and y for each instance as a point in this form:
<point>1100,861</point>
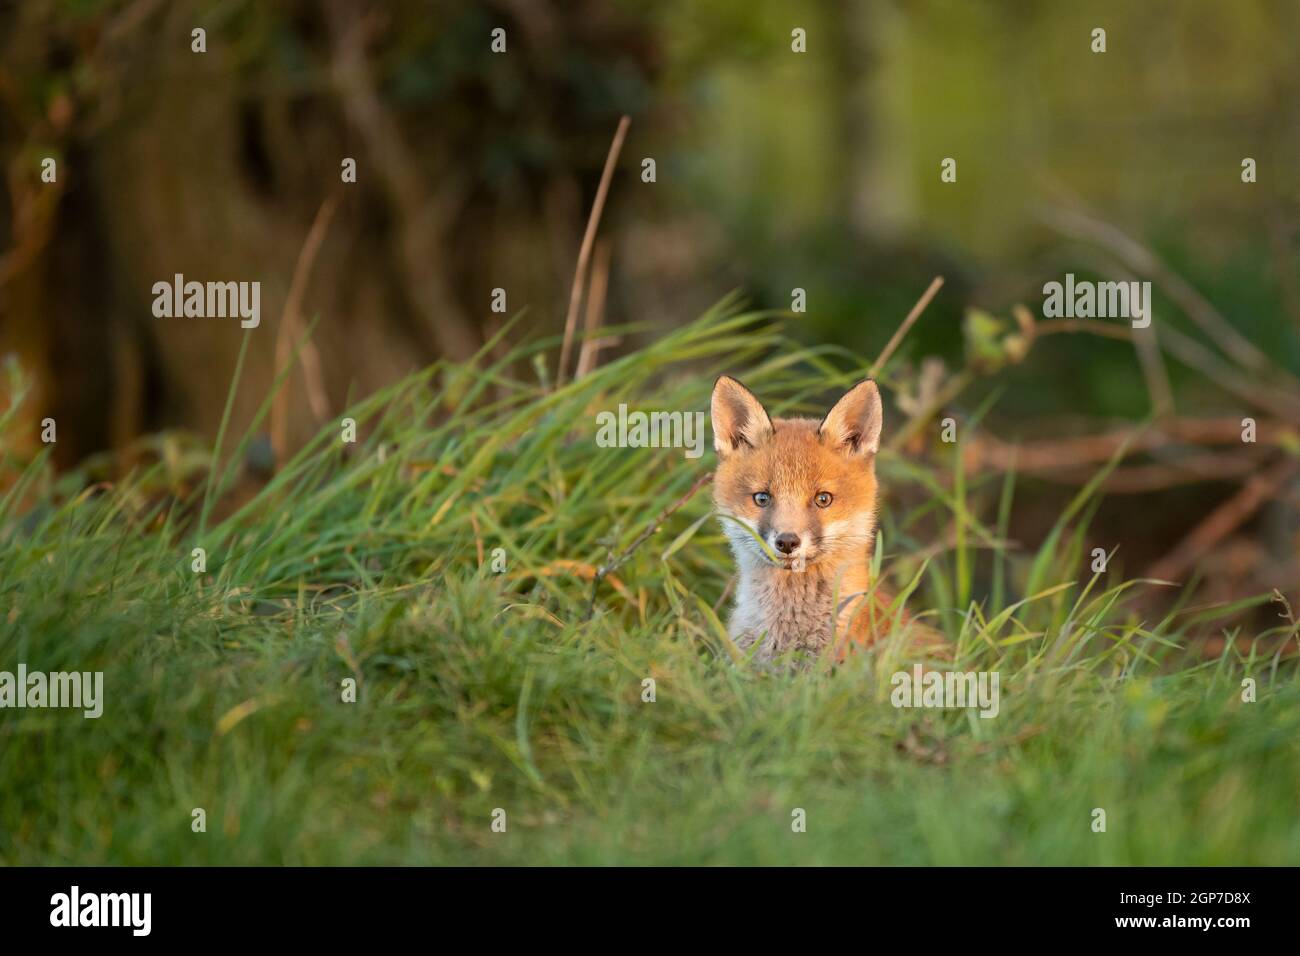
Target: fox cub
<point>807,490</point>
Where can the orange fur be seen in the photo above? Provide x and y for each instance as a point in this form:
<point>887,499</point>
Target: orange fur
<point>820,486</point>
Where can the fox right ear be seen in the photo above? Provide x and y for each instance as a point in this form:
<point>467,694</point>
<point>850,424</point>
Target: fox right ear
<point>738,417</point>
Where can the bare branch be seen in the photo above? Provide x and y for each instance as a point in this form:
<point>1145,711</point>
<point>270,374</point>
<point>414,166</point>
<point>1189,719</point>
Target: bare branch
<point>584,253</point>
<point>903,329</point>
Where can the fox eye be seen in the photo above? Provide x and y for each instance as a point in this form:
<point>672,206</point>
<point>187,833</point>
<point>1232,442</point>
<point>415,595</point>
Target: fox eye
<point>762,499</point>
<point>824,499</point>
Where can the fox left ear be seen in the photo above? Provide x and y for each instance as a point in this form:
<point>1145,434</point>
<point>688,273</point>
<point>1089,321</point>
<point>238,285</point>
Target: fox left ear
<point>853,425</point>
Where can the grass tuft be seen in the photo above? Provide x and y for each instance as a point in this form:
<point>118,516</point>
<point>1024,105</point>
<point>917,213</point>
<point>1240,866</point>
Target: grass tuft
<point>482,689</point>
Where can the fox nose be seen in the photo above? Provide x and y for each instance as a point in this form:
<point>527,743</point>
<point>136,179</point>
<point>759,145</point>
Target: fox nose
<point>786,542</point>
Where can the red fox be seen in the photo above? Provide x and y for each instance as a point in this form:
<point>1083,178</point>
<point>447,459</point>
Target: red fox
<point>806,490</point>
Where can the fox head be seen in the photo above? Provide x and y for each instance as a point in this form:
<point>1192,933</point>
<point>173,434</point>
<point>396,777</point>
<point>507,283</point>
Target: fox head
<point>806,488</point>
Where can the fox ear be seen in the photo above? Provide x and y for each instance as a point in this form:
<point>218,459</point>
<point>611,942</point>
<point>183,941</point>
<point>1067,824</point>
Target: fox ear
<point>853,425</point>
<point>738,417</point>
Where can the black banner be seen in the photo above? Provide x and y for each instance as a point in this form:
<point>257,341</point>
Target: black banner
<point>236,905</point>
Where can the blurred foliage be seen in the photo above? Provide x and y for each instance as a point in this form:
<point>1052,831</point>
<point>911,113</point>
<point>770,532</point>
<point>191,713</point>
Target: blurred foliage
<point>776,171</point>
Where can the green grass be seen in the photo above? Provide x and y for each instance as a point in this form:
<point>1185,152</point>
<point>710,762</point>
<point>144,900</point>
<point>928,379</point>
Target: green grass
<point>482,690</point>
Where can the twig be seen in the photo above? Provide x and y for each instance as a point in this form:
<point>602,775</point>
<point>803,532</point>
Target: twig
<point>1138,479</point>
<point>1091,326</point>
<point>612,565</point>
<point>584,253</point>
<point>908,322</point>
<point>950,390</point>
<point>1146,345</point>
<point>1222,521</point>
<point>988,451</point>
<point>591,345</point>
<point>1192,354</point>
<point>290,327</point>
<point>1248,386</point>
<point>1145,262</point>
